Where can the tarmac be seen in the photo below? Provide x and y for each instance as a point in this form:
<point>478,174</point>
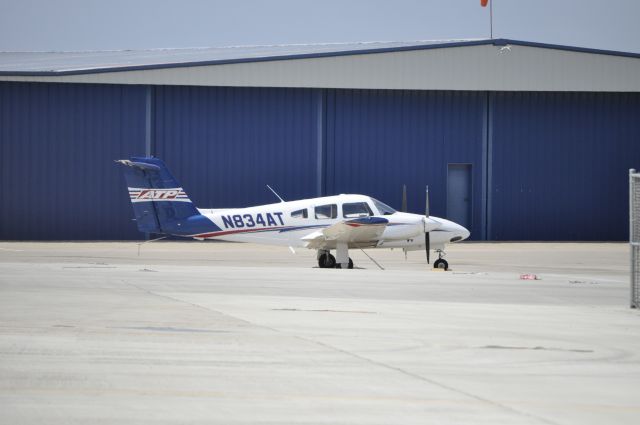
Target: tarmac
<point>198,332</point>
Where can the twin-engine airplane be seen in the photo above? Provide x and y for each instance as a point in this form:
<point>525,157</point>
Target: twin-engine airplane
<point>331,223</point>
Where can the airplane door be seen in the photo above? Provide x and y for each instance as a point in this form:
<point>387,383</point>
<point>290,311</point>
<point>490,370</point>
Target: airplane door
<point>459,194</point>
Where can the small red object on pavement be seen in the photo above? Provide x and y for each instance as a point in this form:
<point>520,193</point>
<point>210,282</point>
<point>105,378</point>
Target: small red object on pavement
<point>528,277</point>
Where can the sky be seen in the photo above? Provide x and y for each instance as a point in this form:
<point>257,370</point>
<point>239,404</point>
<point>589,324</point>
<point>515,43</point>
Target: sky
<point>69,25</point>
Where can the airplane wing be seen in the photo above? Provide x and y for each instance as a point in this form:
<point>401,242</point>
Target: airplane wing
<point>359,232</point>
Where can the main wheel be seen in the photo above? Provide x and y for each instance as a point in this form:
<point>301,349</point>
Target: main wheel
<point>441,264</point>
<point>350,266</point>
<point>326,261</point>
<point>350,263</point>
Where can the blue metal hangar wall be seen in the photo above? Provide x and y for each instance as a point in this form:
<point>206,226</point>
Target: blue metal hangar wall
<point>517,140</point>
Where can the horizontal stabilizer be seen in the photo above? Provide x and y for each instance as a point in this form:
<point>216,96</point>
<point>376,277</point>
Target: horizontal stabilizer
<point>139,165</point>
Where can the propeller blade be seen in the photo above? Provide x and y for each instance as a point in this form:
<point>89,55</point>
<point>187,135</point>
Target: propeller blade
<point>427,238</point>
<point>426,209</point>
<point>430,224</point>
<point>427,244</point>
<point>404,198</point>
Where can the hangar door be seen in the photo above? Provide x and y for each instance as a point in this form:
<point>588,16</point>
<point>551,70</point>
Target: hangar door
<point>560,164</point>
<point>459,194</point>
<point>378,140</point>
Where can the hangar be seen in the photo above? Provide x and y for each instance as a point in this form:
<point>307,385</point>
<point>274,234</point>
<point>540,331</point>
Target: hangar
<point>517,140</point>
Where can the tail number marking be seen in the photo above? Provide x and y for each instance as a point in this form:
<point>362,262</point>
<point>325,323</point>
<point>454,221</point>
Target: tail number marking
<point>252,220</point>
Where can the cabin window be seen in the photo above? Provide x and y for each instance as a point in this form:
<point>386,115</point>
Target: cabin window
<point>384,209</point>
<point>356,209</point>
<point>300,214</point>
<point>326,211</point>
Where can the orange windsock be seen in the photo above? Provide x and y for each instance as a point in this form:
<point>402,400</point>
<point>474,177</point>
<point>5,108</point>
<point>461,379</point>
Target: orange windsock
<point>484,3</point>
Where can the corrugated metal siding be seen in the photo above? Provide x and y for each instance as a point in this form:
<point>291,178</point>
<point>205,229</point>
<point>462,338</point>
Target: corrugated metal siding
<point>58,143</point>
<point>225,144</point>
<point>378,140</point>
<point>560,165</point>
<point>559,161</point>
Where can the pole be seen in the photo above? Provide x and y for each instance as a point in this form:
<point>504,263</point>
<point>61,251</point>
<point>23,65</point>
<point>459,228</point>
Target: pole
<point>632,241</point>
<point>491,19</point>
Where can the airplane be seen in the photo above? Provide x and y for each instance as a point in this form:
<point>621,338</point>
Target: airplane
<point>331,223</point>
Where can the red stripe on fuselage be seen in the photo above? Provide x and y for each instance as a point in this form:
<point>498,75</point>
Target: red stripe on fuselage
<point>266,229</point>
<point>232,232</point>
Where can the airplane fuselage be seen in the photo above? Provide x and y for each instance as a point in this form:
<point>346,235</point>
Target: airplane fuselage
<point>325,224</point>
<point>287,223</point>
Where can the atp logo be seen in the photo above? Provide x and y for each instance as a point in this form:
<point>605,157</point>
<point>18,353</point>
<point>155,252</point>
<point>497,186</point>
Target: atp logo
<point>173,194</point>
<point>158,194</point>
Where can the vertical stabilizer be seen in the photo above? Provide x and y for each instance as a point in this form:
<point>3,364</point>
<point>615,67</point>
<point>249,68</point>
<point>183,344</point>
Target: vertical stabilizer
<point>160,205</point>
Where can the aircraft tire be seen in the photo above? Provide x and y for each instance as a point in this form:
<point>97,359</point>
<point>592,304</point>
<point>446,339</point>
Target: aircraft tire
<point>440,263</point>
<point>350,266</point>
<point>327,261</point>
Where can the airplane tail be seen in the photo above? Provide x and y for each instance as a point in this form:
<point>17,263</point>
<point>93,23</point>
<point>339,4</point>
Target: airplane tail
<point>160,205</point>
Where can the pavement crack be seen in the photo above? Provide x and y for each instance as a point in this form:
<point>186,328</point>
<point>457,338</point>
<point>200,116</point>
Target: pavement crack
<point>537,348</point>
<point>324,310</point>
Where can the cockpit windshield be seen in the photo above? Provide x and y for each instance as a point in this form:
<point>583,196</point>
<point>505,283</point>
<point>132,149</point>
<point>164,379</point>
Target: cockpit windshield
<point>383,208</point>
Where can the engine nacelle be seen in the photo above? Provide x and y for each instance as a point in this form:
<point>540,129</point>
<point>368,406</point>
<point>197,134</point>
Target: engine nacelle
<point>404,226</point>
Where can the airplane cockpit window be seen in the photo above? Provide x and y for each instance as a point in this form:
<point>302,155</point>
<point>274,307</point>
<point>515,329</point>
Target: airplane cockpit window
<point>356,209</point>
<point>382,207</point>
<point>326,211</point>
<point>300,214</point>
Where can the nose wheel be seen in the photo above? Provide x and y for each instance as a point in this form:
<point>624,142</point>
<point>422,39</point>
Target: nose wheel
<point>441,263</point>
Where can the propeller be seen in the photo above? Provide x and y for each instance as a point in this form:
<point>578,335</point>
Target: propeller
<point>404,198</point>
<point>429,224</point>
<point>404,210</point>
<point>427,238</point>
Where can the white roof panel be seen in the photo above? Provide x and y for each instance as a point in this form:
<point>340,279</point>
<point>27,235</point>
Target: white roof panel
<point>38,63</point>
<point>491,65</point>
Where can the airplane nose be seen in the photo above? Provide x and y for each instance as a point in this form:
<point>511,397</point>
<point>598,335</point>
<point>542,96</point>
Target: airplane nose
<point>460,233</point>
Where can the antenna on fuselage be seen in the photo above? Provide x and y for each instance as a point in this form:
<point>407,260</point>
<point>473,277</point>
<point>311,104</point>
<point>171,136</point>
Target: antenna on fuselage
<point>275,193</point>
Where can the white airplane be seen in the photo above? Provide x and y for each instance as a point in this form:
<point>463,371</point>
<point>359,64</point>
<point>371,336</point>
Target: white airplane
<point>331,223</point>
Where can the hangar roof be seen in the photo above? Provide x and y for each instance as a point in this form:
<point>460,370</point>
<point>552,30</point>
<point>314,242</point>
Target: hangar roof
<point>81,62</point>
<point>485,64</point>
<point>65,63</point>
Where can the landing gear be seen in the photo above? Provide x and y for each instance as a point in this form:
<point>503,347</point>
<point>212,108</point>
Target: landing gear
<point>441,263</point>
<point>350,265</point>
<point>328,261</point>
